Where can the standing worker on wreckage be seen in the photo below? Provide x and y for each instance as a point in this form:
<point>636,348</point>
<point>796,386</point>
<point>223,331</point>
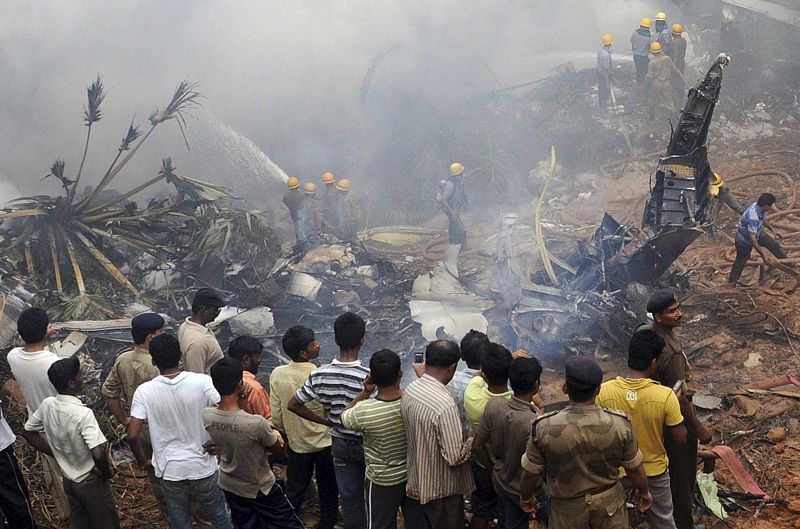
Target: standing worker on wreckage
<point>750,234</point>
<point>452,199</point>
<point>293,200</point>
<point>640,45</point>
<point>329,204</point>
<point>658,84</point>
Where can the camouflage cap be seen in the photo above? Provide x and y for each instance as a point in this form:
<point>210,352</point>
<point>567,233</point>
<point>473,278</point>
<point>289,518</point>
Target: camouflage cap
<point>583,372</point>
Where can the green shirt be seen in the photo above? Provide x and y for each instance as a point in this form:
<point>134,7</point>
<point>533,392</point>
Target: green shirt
<point>381,425</point>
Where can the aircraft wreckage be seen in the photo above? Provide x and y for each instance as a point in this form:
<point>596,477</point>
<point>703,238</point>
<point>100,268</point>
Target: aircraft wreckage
<point>619,260</point>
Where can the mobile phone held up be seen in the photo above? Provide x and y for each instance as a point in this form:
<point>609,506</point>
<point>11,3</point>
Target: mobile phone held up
<point>419,358</point>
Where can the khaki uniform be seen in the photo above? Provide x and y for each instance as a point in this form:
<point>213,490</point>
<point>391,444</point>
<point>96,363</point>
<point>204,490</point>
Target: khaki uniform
<point>659,79</point>
<point>672,365</point>
<point>350,213</point>
<point>579,450</point>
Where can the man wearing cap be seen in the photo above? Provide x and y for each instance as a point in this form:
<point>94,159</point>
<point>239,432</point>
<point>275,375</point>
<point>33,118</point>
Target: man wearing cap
<point>578,452</point>
<point>329,202</point>
<point>131,369</point>
<point>199,347</point>
<point>673,371</point>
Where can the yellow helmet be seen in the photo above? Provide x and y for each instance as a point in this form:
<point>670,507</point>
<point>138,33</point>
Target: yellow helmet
<point>343,185</point>
<point>607,40</point>
<point>293,182</point>
<point>645,23</point>
<point>655,48</point>
<point>328,178</point>
<point>456,169</point>
<point>310,188</point>
<point>677,28</point>
<point>717,181</point>
<point>661,16</point>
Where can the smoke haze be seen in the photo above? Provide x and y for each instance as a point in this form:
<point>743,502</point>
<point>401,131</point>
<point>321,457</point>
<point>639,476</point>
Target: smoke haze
<point>290,76</point>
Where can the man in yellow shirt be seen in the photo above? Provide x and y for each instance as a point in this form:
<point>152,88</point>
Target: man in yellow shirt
<point>308,444</point>
<point>492,382</point>
<point>653,409</point>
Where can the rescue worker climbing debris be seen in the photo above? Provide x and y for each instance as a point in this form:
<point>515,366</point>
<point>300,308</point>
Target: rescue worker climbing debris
<point>452,199</point>
<point>604,65</point>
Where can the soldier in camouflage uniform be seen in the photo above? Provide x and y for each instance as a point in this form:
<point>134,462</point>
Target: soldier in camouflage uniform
<point>578,452</point>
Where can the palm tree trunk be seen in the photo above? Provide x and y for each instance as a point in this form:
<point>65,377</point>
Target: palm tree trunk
<point>80,168</point>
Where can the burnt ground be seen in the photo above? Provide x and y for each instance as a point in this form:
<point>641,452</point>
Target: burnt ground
<point>734,336</point>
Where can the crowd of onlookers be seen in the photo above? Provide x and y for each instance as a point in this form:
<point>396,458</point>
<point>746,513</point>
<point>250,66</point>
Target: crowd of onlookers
<point>207,431</point>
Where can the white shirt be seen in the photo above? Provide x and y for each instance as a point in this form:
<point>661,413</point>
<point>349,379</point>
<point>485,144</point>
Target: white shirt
<point>7,437</point>
<point>72,431</point>
<point>173,408</point>
<point>30,371</point>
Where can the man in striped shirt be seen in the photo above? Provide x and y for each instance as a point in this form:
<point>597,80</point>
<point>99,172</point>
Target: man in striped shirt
<point>438,473</point>
<point>379,421</point>
<point>335,385</point>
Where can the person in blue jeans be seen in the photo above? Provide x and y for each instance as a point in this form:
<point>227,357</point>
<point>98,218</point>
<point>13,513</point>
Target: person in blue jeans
<point>335,385</point>
<point>173,404</point>
<point>750,234</point>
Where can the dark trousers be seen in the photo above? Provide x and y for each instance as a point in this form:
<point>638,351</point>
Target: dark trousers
<point>14,500</point>
<point>515,518</point>
<point>91,504</point>
<point>299,470</point>
<point>484,498</point>
<point>456,231</point>
<point>383,504</point>
<point>683,475</point>
<point>441,513</point>
<point>743,254</point>
<point>603,90</point>
<point>641,62</point>
<point>349,467</point>
<point>272,510</point>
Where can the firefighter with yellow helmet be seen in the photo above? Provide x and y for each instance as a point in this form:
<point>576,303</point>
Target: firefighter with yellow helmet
<point>640,45</point>
<point>293,200</point>
<point>452,199</point>
<point>329,204</point>
<point>721,194</point>
<point>658,84</point>
<point>349,211</point>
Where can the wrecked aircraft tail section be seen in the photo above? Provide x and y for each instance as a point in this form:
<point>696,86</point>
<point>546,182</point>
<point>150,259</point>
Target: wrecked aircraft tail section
<point>619,259</point>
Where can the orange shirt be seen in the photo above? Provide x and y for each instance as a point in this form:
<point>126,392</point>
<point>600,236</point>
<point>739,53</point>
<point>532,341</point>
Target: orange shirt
<point>258,400</point>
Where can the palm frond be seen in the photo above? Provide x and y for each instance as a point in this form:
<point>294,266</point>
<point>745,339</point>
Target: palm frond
<point>57,171</point>
<point>198,190</point>
<point>183,100</point>
<point>95,95</point>
<point>130,137</point>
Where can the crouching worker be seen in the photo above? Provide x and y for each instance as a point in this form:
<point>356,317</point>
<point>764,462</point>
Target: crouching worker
<point>257,497</point>
<point>74,439</point>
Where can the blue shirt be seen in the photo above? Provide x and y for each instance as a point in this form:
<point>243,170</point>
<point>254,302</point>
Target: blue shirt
<point>752,221</point>
<point>665,39</point>
<point>604,60</point>
<point>640,42</point>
